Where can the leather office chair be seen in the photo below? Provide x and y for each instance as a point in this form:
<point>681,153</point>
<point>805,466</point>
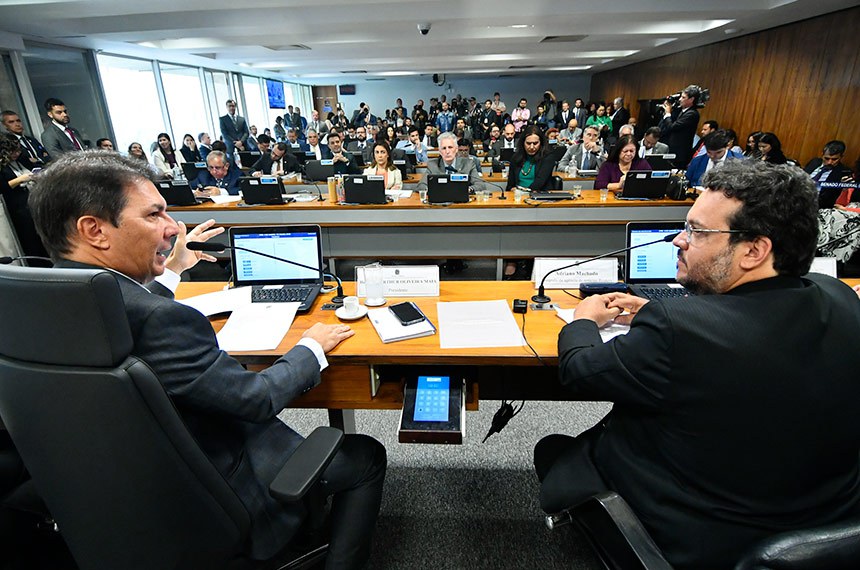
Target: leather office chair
<point>621,542</point>
<point>124,479</point>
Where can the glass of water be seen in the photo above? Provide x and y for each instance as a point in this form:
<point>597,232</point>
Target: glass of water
<point>577,191</point>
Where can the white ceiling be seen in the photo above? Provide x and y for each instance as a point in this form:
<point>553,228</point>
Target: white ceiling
<point>313,39</point>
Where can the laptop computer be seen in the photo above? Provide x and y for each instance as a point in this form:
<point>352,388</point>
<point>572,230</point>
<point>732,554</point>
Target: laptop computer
<point>262,190</point>
<point>249,158</point>
<point>274,281</point>
<point>661,161</point>
<point>447,188</point>
<point>359,157</point>
<point>192,170</point>
<point>506,154</point>
<point>319,170</point>
<point>178,193</point>
<point>364,189</point>
<point>645,184</point>
<point>650,271</point>
<point>403,166</point>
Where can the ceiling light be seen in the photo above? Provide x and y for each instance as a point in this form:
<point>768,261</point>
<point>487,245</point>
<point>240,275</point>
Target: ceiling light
<point>396,73</point>
<point>520,26</point>
<point>570,68</point>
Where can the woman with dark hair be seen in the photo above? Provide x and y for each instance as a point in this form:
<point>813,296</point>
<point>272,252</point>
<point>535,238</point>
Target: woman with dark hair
<point>135,150</point>
<point>383,166</point>
<point>601,121</point>
<point>280,131</point>
<point>771,149</point>
<point>733,141</point>
<point>14,188</point>
<point>752,145</point>
<point>164,157</point>
<point>532,165</point>
<point>623,158</point>
<point>189,149</point>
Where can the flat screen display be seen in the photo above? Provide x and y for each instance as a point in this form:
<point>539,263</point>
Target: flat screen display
<point>275,89</point>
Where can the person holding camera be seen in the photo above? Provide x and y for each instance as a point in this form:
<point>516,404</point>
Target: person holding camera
<point>678,126</point>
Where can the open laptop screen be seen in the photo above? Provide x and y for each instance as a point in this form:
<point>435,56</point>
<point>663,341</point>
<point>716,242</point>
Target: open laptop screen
<point>301,244</point>
<point>657,263</point>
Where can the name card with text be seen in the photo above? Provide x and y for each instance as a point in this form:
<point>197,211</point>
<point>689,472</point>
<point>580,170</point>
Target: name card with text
<point>404,281</point>
<point>598,271</point>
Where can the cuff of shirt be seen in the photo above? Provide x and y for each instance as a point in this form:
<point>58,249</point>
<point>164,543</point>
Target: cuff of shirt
<point>169,279</point>
<point>317,349</point>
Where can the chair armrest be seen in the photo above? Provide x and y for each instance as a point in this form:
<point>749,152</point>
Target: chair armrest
<point>832,547</point>
<point>306,464</point>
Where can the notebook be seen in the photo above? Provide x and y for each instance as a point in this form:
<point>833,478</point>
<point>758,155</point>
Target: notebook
<point>262,190</point>
<point>275,281</point>
<point>390,329</point>
<point>447,189</point>
<point>364,190</point>
<point>650,271</point>
<point>647,184</point>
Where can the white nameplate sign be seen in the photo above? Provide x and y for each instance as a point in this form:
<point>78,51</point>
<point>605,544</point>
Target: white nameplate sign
<point>599,271</point>
<point>404,281</point>
<point>824,265</point>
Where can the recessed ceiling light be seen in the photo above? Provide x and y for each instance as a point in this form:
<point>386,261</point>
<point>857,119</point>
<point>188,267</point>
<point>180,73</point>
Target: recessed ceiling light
<point>243,64</point>
<point>520,26</point>
<point>570,68</point>
<point>396,73</point>
<point>728,31</point>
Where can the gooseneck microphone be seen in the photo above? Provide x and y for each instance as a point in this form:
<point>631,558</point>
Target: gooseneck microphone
<point>6,260</point>
<point>541,298</point>
<point>219,247</point>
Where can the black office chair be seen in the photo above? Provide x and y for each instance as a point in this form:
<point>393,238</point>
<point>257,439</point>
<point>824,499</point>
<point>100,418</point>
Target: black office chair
<point>124,479</point>
<point>621,542</point>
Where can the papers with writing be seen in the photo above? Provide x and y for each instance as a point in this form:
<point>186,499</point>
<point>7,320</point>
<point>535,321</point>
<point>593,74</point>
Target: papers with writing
<point>607,332</point>
<point>477,324</point>
<point>220,301</point>
<point>404,281</point>
<point>257,326</point>
<point>598,271</point>
<point>389,328</point>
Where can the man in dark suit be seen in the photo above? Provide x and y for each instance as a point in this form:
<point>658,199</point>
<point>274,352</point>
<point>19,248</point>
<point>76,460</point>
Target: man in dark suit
<point>231,411</point>
<point>276,163</point>
<point>33,154</point>
<point>587,155</point>
<point>58,137</point>
<point>321,151</point>
<point>734,411</point>
<point>829,167</point>
<point>362,145</point>
<point>678,126</point>
<point>508,140</point>
<point>234,128</point>
<point>620,115</point>
<point>343,162</point>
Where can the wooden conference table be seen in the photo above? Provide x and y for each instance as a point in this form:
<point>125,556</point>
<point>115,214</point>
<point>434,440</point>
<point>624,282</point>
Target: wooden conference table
<point>496,229</point>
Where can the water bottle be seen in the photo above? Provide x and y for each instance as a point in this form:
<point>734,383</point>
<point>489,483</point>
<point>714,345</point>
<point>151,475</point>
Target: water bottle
<point>178,174</point>
<point>571,170</point>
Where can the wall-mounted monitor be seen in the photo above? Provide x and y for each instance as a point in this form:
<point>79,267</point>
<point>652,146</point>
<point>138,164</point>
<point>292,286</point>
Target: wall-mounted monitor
<point>275,89</point>
<point>346,89</point>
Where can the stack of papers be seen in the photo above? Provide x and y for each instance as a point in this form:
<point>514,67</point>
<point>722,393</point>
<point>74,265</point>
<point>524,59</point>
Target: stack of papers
<point>478,324</point>
<point>390,329</point>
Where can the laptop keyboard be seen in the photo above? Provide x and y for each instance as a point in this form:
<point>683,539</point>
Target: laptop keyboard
<point>551,196</point>
<point>281,295</point>
<point>661,292</point>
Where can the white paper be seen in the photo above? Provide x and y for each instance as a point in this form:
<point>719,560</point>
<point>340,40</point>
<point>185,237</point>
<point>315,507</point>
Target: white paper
<point>257,326</point>
<point>607,331</point>
<point>390,329</point>
<point>824,265</point>
<point>478,324</point>
<point>224,198</point>
<point>597,271</point>
<point>401,194</point>
<point>220,301</point>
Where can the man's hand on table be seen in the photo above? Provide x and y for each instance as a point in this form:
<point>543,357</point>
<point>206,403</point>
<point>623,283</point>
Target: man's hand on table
<point>328,336</point>
<point>604,308</point>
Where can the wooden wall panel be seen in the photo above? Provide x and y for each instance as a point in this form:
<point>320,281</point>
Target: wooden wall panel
<point>801,81</point>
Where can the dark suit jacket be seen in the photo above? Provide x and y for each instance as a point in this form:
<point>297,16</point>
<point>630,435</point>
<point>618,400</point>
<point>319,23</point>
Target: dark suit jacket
<point>325,152</point>
<point>232,412</point>
<point>734,415</point>
<point>231,180</point>
<point>232,132</point>
<point>620,119</point>
<point>543,174</point>
<point>264,165</point>
<point>366,152</point>
<point>678,131</point>
<point>834,175</point>
<point>27,159</point>
<point>56,142</point>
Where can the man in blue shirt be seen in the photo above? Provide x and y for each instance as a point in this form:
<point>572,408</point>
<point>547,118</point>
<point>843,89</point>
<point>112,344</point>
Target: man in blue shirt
<point>716,153</point>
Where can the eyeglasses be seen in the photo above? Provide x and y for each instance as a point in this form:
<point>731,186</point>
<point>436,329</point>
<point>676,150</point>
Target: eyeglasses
<point>690,231</point>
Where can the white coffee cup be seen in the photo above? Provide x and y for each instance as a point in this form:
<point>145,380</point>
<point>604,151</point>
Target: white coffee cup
<point>350,306</point>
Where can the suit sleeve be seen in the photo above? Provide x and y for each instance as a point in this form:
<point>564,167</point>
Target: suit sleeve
<point>179,344</point>
<point>246,132</point>
<point>51,142</point>
<point>543,174</point>
<point>685,121</point>
<point>632,369</point>
<point>568,156</point>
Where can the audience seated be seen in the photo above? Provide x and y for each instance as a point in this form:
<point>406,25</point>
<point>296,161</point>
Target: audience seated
<point>651,144</point>
<point>135,150</point>
<point>829,167</point>
<point>717,152</point>
<point>343,161</point>
<point>165,158</point>
<point>532,164</point>
<point>623,158</point>
<point>588,155</point>
<point>15,181</point>
<point>571,134</point>
<point>383,165</point>
<point>771,149</point>
<point>752,150</point>
<point>276,163</point>
<point>220,177</point>
<point>189,150</point>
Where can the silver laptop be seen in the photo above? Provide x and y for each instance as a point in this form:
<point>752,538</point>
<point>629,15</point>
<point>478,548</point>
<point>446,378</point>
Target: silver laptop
<point>274,281</point>
<point>650,271</point>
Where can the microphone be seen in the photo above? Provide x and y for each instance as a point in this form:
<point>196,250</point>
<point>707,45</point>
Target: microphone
<point>339,297</point>
<point>219,247</point>
<point>541,298</point>
<point>502,188</point>
<point>6,260</point>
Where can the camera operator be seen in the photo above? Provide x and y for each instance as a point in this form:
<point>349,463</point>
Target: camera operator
<point>678,126</point>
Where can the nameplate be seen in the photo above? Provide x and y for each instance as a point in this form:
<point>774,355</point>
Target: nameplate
<point>405,281</point>
<point>824,266</point>
<point>599,271</point>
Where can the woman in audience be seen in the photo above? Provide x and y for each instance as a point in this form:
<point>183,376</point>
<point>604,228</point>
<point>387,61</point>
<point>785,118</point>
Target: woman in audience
<point>623,158</point>
<point>601,121</point>
<point>384,166</point>
<point>771,149</point>
<point>531,166</point>
<point>14,181</point>
<point>752,145</point>
<point>280,131</point>
<point>189,149</point>
<point>164,157</point>
<point>733,141</point>
<point>391,135</point>
<point>135,150</point>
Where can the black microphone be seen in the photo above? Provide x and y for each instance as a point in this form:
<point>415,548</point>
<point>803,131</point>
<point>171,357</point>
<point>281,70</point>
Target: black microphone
<point>219,247</point>
<point>339,297</point>
<point>541,297</point>
<point>502,188</point>
<point>6,260</point>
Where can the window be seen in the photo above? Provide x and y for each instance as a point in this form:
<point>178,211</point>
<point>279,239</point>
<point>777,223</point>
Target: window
<point>255,104</point>
<point>218,90</point>
<point>185,106</point>
<point>10,97</point>
<point>132,99</point>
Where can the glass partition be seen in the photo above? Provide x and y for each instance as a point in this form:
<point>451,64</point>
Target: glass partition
<point>184,96</point>
<point>255,104</point>
<point>218,90</point>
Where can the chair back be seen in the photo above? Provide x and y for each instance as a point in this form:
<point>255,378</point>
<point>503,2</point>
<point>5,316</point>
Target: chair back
<point>126,482</point>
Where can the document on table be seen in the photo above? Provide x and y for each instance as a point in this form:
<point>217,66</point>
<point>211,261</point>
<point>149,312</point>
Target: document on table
<point>224,198</point>
<point>607,332</point>
<point>478,324</point>
<point>225,301</point>
<point>400,194</point>
<point>257,326</point>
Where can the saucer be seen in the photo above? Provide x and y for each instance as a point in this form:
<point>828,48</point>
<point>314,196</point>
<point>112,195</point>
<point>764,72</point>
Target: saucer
<point>341,313</point>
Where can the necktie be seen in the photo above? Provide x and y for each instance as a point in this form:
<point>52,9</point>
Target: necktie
<point>235,120</point>
<point>74,139</point>
<point>586,160</point>
<point>34,156</point>
<point>450,169</point>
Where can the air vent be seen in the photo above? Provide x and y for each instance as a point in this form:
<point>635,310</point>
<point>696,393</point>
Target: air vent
<point>291,47</point>
<point>375,79</point>
<point>521,67</point>
<point>354,72</point>
<point>209,55</point>
<point>506,75</point>
<point>562,39</point>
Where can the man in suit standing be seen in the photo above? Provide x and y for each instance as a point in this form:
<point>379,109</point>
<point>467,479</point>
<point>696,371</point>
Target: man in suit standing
<point>717,152</point>
<point>33,154</point>
<point>234,128</point>
<point>620,115</point>
<point>103,211</point>
<point>579,112</point>
<point>651,143</point>
<point>678,126</point>
<point>58,137</point>
<point>718,396</point>
<point>449,163</point>
<point>565,114</point>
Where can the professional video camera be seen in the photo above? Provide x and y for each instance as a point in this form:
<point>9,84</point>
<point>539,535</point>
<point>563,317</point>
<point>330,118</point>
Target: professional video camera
<point>704,96</point>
